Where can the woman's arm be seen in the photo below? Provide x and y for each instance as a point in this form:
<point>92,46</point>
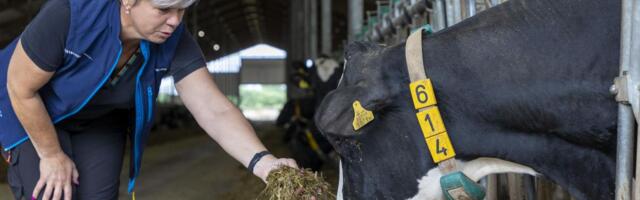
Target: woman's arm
<point>24,79</point>
<point>224,122</point>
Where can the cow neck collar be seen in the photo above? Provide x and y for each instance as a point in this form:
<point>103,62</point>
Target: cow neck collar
<point>417,72</point>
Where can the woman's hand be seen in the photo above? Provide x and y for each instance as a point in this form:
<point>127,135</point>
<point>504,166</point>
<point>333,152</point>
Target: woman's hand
<point>57,172</point>
<point>269,163</point>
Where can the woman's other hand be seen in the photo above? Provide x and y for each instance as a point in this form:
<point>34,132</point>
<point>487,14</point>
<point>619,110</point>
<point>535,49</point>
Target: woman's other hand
<point>57,173</point>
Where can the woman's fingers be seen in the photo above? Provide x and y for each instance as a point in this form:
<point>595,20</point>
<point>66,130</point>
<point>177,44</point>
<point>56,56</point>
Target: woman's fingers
<point>76,176</point>
<point>67,191</point>
<point>285,162</point>
<point>48,190</point>
<point>291,163</point>
<point>57,174</point>
<point>57,190</point>
<point>38,188</point>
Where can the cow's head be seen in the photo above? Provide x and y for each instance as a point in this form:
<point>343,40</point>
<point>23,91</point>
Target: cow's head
<point>377,78</point>
<point>371,76</point>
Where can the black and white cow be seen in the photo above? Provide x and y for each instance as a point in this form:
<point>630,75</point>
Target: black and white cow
<point>522,87</point>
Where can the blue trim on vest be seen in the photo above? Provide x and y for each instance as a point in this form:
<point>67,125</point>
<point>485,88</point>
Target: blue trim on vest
<point>132,182</point>
<point>149,104</point>
<point>144,48</point>
<point>17,143</point>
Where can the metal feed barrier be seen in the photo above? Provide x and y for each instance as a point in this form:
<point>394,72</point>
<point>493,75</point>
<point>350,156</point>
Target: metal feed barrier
<point>394,20</point>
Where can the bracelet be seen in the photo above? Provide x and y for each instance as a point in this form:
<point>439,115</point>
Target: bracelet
<point>257,158</point>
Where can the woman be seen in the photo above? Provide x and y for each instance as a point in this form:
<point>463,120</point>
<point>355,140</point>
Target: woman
<point>83,77</point>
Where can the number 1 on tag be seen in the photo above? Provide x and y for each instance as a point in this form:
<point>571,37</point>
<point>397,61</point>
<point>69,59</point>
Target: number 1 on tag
<point>430,121</point>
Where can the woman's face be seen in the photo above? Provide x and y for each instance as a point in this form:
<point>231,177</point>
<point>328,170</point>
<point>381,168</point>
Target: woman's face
<point>155,24</point>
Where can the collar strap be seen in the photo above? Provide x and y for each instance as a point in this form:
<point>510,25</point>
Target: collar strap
<point>424,101</point>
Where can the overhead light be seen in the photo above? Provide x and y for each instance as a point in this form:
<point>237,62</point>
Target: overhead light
<point>309,63</point>
<point>216,47</point>
<point>200,33</point>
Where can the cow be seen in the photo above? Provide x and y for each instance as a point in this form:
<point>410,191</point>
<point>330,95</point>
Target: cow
<point>308,147</point>
<point>522,87</point>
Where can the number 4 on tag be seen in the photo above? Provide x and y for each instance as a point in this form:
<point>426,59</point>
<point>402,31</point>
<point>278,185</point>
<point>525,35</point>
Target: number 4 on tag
<point>440,147</point>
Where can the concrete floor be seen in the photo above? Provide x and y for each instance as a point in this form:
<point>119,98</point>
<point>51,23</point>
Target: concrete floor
<point>196,168</point>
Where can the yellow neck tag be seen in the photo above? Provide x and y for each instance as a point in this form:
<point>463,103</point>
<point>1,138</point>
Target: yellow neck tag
<point>422,94</point>
<point>430,120</point>
<point>361,116</point>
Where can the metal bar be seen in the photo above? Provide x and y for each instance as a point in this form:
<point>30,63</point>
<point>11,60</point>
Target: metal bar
<point>313,29</point>
<point>306,28</point>
<point>633,64</point>
<point>514,182</point>
<point>471,8</point>
<point>296,42</point>
<point>625,112</point>
<point>529,186</point>
<point>494,3</point>
<point>636,188</point>
<point>356,8</point>
<point>457,11</point>
<point>451,12</point>
<point>438,15</point>
<point>624,154</point>
<point>327,42</point>
<point>492,187</point>
<point>445,14</point>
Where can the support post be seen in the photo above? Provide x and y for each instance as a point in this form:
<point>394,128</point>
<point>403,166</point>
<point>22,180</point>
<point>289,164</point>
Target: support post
<point>313,29</point>
<point>356,9</point>
<point>327,41</point>
<point>627,96</point>
<point>471,8</point>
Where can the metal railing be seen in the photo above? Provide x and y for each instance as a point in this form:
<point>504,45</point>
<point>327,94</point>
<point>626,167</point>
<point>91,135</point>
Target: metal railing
<point>626,89</point>
<point>394,16</point>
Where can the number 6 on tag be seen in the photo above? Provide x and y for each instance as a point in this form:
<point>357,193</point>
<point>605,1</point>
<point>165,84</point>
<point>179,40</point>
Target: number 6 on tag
<point>422,94</point>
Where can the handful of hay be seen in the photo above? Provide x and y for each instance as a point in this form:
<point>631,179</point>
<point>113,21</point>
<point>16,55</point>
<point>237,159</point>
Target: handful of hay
<point>288,183</point>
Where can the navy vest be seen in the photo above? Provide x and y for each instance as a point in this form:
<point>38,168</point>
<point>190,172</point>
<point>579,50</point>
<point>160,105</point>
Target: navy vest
<point>92,50</point>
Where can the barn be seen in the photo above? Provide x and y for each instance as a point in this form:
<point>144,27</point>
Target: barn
<point>387,99</point>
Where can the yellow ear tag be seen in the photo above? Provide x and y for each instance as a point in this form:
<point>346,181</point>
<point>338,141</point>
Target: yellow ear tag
<point>303,85</point>
<point>361,116</point>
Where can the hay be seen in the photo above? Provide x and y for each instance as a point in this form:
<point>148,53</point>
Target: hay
<point>288,183</point>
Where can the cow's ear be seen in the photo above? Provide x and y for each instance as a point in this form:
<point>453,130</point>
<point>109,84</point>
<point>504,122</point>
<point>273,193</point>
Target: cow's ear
<point>339,108</point>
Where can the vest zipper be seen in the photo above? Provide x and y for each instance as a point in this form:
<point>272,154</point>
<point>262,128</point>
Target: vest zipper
<point>149,104</point>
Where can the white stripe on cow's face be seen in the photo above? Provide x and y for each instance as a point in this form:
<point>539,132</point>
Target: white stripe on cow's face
<point>429,185</point>
<point>344,69</point>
